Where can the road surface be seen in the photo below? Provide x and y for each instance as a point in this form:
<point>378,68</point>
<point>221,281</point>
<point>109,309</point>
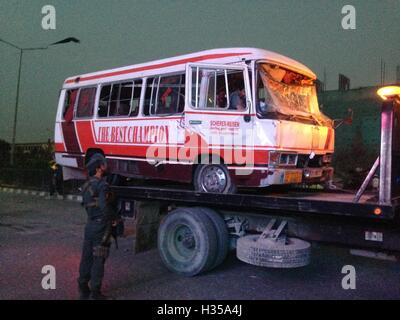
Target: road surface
<point>35,232</point>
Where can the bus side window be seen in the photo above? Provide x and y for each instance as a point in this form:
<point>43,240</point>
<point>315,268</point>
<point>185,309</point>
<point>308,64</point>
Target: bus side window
<point>115,91</point>
<point>125,99</point>
<point>203,88</point>
<point>86,102</point>
<point>221,100</point>
<point>69,103</point>
<point>181,101</point>
<point>148,96</point>
<point>104,101</point>
<point>264,102</point>
<point>171,96</point>
<point>211,89</point>
<point>137,90</point>
<point>218,89</point>
<point>237,93</point>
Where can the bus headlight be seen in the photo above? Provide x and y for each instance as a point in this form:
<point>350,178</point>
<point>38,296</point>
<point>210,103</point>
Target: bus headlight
<point>326,158</point>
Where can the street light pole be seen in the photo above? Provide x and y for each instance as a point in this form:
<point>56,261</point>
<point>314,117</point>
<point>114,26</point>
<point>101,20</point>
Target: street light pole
<point>21,52</point>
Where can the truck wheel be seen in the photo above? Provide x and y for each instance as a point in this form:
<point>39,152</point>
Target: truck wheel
<point>222,235</point>
<point>187,241</point>
<point>267,253</point>
<point>213,178</point>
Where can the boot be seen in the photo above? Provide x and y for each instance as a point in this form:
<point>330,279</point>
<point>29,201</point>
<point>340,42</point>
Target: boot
<point>84,291</point>
<point>97,295</point>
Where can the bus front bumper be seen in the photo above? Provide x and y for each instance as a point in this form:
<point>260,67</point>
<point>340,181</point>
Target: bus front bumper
<point>264,177</point>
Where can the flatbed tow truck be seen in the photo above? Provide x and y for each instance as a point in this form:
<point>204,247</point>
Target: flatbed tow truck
<point>195,231</point>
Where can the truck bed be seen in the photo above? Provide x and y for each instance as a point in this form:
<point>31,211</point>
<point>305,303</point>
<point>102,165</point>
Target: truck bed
<point>296,201</point>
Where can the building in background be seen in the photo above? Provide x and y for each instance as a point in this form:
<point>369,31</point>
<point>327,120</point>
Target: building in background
<point>344,82</point>
<point>356,145</point>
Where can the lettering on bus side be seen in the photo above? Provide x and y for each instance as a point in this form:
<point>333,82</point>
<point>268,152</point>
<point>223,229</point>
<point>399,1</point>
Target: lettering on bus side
<point>133,134</point>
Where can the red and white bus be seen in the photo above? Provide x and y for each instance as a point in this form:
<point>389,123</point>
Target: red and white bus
<point>219,119</point>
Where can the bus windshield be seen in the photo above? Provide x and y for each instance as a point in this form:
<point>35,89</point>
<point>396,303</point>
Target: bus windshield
<point>288,94</point>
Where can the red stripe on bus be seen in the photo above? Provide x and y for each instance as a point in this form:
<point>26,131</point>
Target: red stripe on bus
<point>179,153</point>
<point>84,132</point>
<point>137,119</point>
<point>70,137</point>
<point>157,66</point>
<point>59,147</point>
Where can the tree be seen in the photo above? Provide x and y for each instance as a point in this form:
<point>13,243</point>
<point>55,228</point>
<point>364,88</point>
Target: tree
<point>4,153</point>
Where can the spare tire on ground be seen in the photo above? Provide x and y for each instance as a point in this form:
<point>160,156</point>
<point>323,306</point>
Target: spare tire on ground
<point>293,253</point>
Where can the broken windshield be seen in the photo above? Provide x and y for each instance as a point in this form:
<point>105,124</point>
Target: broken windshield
<point>286,94</point>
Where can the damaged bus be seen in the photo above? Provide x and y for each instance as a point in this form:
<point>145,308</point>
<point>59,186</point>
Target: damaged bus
<point>219,119</point>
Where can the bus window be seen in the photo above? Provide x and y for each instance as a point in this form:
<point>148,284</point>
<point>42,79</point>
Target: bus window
<point>69,104</point>
<point>170,95</point>
<point>237,93</point>
<point>221,92</point>
<point>86,102</point>
<point>204,84</point>
<point>263,100</point>
<point>120,99</point>
<point>218,89</point>
<point>148,96</point>
<point>181,101</point>
<point>137,89</point>
<point>104,101</point>
<point>112,108</point>
<point>124,99</point>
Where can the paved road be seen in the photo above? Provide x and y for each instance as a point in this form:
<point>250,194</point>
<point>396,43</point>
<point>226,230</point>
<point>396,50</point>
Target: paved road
<point>35,232</point>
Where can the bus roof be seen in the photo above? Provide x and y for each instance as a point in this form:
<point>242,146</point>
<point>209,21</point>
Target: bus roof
<point>177,63</point>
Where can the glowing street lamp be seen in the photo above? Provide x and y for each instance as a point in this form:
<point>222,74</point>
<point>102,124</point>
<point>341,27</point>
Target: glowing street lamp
<point>389,92</point>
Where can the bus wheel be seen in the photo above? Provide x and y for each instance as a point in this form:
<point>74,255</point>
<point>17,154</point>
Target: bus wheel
<point>187,241</point>
<point>213,178</point>
<point>292,253</point>
<point>222,235</point>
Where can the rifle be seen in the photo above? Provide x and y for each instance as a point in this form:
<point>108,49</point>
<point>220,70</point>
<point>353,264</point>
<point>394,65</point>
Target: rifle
<point>114,223</point>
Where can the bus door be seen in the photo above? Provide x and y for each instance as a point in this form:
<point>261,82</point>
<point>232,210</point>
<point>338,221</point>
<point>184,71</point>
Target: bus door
<point>67,122</point>
<point>218,115</point>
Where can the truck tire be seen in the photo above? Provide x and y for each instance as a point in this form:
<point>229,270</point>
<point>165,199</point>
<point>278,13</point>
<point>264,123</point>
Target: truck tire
<point>267,253</point>
<point>187,241</point>
<point>213,178</point>
<point>222,235</point>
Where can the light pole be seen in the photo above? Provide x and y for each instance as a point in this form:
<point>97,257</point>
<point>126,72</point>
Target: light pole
<point>391,100</point>
<point>21,52</point>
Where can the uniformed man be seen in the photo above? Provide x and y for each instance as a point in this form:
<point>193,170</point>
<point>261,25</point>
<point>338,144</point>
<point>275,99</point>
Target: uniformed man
<point>96,241</point>
<point>56,179</point>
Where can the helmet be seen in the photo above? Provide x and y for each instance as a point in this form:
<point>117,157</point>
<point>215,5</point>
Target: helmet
<point>95,160</point>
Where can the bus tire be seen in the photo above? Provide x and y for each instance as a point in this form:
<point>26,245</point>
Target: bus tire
<point>187,241</point>
<point>222,235</point>
<point>267,253</point>
<point>213,178</point>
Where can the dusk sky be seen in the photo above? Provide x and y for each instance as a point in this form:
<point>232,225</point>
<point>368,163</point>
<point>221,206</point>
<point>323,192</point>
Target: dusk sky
<point>115,33</point>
